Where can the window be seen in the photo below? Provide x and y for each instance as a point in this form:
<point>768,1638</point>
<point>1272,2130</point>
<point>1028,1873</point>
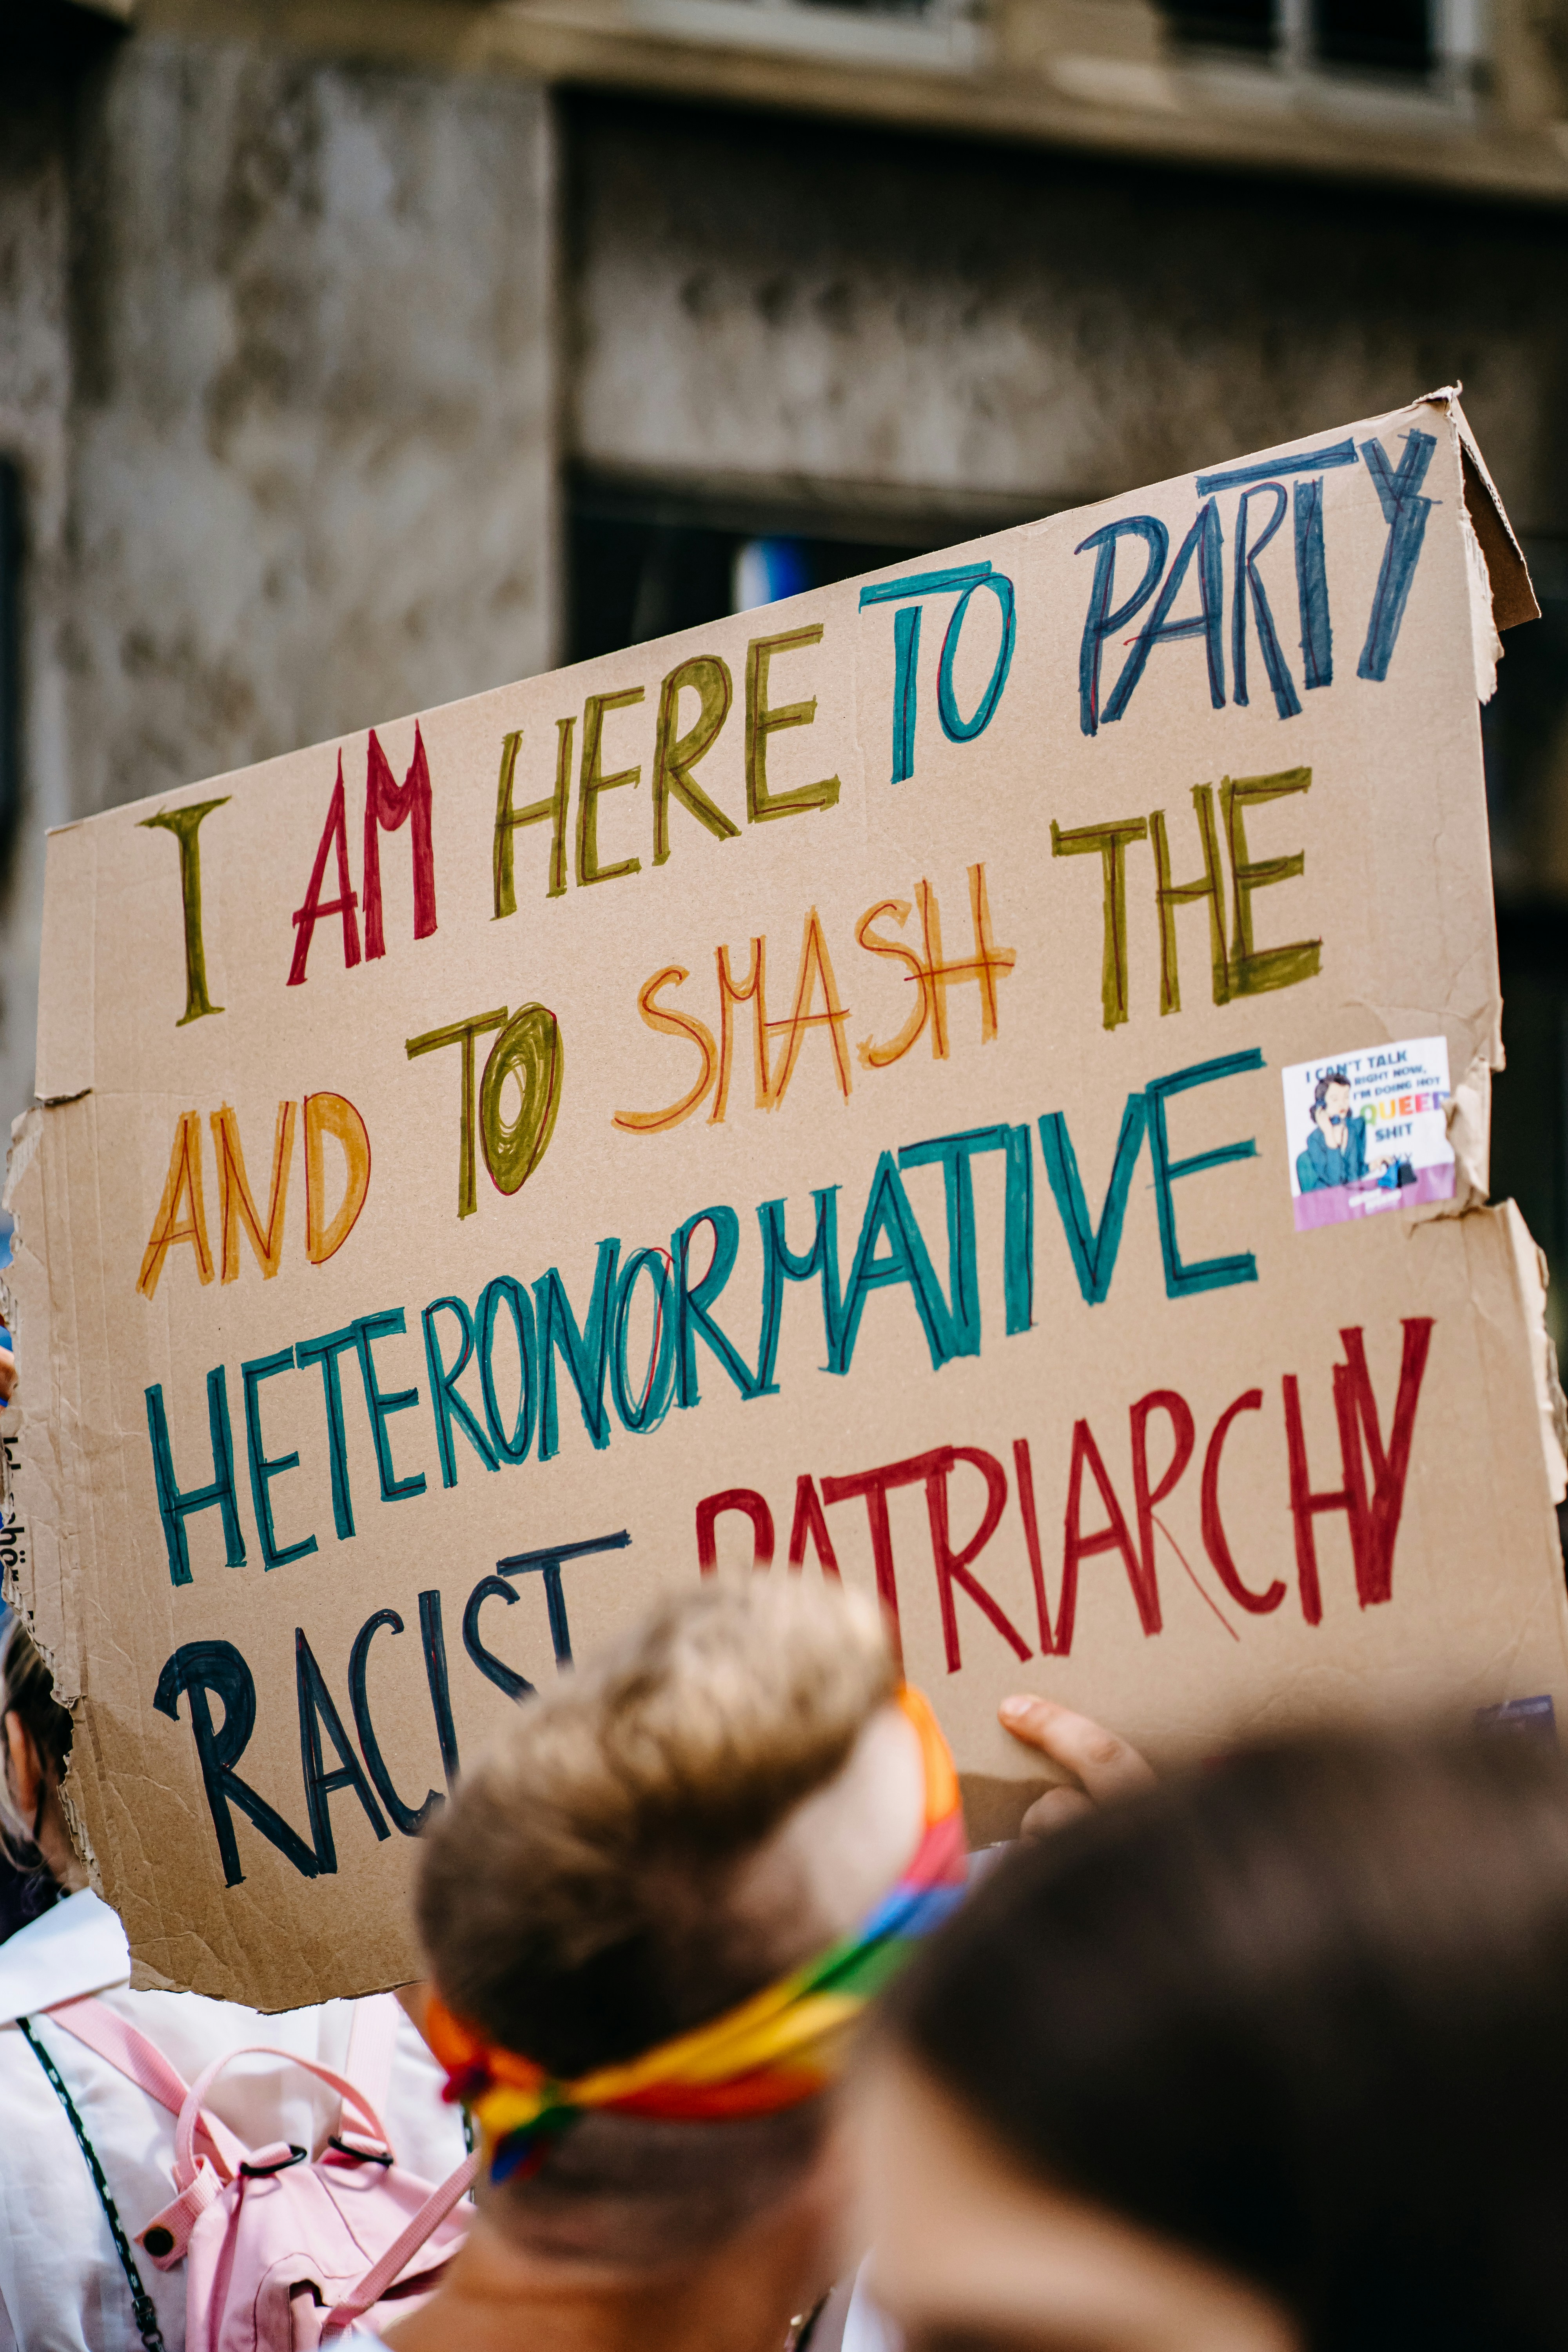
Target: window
<point>1246,25</point>
<point>1408,38</point>
<point>939,35</point>
<point>643,565</point>
<point>646,557</point>
<point>873,7</point>
<point>60,33</point>
<point>1394,36</point>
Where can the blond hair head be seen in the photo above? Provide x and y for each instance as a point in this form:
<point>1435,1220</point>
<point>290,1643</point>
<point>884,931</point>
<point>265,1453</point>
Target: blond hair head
<point>583,1895</point>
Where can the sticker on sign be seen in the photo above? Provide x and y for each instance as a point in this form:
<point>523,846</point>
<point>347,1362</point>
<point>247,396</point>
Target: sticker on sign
<point>1369,1131</point>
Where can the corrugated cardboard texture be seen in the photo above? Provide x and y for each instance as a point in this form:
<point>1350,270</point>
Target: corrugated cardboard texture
<point>1228,1475</point>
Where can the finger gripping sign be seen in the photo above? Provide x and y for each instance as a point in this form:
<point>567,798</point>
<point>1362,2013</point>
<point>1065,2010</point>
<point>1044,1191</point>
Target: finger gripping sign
<point>972,1082</point>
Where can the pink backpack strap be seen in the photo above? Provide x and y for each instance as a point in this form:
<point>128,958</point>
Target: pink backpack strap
<point>373,2039</point>
<point>385,2272</point>
<point>134,2054</point>
<point>166,2238</point>
<point>192,2119</point>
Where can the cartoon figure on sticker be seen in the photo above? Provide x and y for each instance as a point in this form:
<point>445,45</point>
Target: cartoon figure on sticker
<point>1336,1149</point>
<point>1369,1131</point>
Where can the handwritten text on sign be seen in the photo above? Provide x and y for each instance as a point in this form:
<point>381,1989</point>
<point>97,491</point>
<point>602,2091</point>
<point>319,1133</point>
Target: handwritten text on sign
<point>804,1094</point>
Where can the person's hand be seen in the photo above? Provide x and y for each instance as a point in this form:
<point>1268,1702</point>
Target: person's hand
<point>7,1375</point>
<point>1103,1766</point>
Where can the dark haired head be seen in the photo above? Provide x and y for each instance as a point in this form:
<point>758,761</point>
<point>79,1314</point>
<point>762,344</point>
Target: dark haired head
<point>1321,1091</point>
<point>27,1691</point>
<point>1307,2014</point>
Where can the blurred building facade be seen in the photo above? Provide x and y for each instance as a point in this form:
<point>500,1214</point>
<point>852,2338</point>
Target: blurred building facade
<point>358,354</point>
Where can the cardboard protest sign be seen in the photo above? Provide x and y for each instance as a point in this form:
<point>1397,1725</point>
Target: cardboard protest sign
<point>806,1092</point>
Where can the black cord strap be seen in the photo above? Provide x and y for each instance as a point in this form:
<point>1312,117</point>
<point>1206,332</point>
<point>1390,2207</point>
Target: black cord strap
<point>141,2301</point>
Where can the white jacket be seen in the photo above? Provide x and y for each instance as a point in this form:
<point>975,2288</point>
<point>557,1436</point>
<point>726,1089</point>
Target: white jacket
<point>61,2286</point>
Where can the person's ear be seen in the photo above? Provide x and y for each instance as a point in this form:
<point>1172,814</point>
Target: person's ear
<point>24,1772</point>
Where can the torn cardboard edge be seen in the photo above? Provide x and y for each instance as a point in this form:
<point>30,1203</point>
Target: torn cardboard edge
<point>1470,1120</point>
<point>10,1434</point>
<point>1530,1272</point>
<point>1502,595</point>
<point>66,1042</point>
<point>12,1590</point>
<point>1513,590</point>
<point>1468,1116</point>
<point>1501,592</point>
<point>1513,593</point>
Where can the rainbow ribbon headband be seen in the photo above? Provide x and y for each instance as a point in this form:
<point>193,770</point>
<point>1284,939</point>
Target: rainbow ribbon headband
<point>783,2046</point>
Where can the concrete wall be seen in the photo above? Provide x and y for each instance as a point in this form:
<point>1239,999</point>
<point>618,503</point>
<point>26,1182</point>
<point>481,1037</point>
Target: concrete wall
<point>313,439</point>
<point>35,388</point>
<point>277,354</point>
<point>757,294</point>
